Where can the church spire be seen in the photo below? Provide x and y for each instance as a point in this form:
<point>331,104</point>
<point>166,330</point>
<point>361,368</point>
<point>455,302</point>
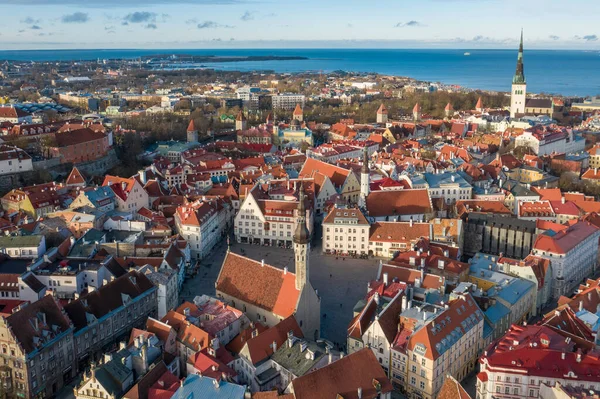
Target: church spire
<point>365,165</point>
<point>364,179</point>
<point>301,243</point>
<point>301,235</point>
<point>519,77</point>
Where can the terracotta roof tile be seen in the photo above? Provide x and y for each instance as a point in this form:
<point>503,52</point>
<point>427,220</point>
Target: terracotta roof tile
<point>343,377</point>
<point>399,202</point>
<point>265,286</point>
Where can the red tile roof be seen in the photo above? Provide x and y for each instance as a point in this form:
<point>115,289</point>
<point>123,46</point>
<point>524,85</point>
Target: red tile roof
<point>336,174</point>
<point>260,347</point>
<point>539,350</point>
<point>265,286</point>
<point>399,202</point>
<point>400,232</point>
<point>192,126</point>
<point>78,136</point>
<point>565,240</point>
<point>431,334</point>
<point>451,389</point>
<point>297,110</point>
<point>343,377</point>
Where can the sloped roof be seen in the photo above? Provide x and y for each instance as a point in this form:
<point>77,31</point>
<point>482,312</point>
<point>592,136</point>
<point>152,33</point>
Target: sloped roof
<point>107,298</point>
<point>78,136</point>
<point>343,377</point>
<point>398,202</point>
<point>260,347</point>
<point>75,177</point>
<point>451,389</point>
<point>24,329</point>
<point>265,286</point>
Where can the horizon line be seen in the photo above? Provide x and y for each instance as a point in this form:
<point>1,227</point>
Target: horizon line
<point>292,48</point>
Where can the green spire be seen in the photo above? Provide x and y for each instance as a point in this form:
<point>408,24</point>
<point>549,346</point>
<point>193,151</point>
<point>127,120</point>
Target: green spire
<point>519,77</point>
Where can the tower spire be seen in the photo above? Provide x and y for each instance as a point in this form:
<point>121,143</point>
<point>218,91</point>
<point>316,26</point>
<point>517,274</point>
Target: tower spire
<point>364,178</point>
<point>301,243</point>
<point>365,165</point>
<point>519,77</point>
<point>301,235</point>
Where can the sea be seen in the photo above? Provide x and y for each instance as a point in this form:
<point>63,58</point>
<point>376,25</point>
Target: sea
<point>561,72</point>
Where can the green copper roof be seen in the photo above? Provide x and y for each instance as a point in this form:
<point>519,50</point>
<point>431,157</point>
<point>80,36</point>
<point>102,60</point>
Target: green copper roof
<point>519,77</point>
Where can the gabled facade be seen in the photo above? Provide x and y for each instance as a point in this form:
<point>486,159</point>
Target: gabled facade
<point>129,193</point>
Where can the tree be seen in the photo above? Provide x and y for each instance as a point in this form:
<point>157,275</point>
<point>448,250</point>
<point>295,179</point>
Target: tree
<point>523,150</point>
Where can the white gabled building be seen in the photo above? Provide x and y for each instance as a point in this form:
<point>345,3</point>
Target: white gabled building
<point>14,160</point>
<point>268,214</point>
<point>203,223</point>
<point>129,193</point>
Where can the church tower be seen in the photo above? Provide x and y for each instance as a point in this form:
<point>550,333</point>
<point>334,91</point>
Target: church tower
<point>301,243</point>
<point>192,133</point>
<point>518,95</point>
<point>364,179</point>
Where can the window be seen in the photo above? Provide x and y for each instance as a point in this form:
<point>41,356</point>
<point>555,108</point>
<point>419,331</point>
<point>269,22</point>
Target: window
<point>507,390</point>
<point>423,362</point>
<point>422,384</point>
<point>413,381</point>
<point>516,391</point>
<point>531,393</point>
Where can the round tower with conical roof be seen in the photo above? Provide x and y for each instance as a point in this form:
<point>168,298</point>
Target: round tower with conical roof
<point>192,133</point>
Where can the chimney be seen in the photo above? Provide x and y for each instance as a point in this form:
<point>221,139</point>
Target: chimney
<point>562,355</point>
<point>274,346</point>
<point>359,393</point>
<point>385,279</point>
<point>404,303</point>
<point>262,262</point>
<point>411,222</point>
<point>186,311</point>
<point>285,270</point>
<point>563,200</point>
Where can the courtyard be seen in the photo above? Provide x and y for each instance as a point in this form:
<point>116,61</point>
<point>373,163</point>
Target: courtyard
<point>340,282</point>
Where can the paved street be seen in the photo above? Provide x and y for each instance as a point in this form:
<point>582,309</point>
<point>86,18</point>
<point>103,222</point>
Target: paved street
<point>339,293</point>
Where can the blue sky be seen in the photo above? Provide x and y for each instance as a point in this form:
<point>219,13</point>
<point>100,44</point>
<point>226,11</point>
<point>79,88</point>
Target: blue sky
<point>548,24</point>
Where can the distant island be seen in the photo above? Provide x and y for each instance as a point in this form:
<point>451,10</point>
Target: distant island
<point>213,58</point>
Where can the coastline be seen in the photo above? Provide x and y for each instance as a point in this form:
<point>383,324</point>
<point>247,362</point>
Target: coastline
<point>486,70</point>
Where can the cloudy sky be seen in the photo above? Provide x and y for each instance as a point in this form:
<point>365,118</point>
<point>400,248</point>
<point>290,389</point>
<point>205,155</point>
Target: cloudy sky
<point>548,24</point>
